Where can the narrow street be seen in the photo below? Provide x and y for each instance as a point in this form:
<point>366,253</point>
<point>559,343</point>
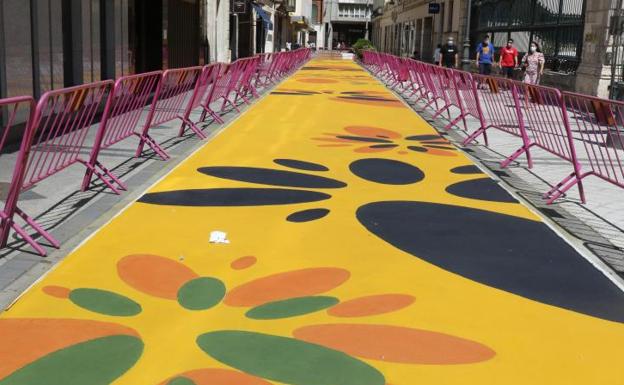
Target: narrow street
<point>361,248</point>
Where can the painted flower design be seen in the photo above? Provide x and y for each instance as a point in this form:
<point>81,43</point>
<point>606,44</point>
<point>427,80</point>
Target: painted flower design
<point>483,252</point>
<point>374,140</point>
<point>77,352</point>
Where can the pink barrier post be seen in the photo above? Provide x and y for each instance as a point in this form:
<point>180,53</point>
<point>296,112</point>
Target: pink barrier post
<point>124,112</point>
<point>596,130</point>
<point>12,109</point>
<point>500,106</point>
<point>176,92</point>
<point>53,141</point>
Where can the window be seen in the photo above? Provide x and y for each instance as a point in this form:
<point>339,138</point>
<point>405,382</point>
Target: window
<point>449,25</point>
<point>91,63</point>
<point>17,47</point>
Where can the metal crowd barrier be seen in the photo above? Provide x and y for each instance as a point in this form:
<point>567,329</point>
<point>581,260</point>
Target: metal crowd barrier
<point>585,131</point>
<point>55,129</point>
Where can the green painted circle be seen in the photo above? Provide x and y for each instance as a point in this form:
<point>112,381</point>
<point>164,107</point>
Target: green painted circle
<point>104,302</point>
<point>201,293</point>
<point>96,362</point>
<point>180,381</point>
<point>287,360</point>
<point>291,307</point>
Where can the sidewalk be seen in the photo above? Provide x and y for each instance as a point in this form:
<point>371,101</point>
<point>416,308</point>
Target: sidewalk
<point>362,249</point>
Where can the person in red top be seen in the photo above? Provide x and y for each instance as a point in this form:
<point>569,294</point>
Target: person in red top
<point>508,59</point>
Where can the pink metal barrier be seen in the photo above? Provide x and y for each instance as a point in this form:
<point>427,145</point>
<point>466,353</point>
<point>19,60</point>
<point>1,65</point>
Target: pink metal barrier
<point>540,116</point>
<point>596,133</point>
<point>58,126</point>
<point>175,99</point>
<point>12,109</point>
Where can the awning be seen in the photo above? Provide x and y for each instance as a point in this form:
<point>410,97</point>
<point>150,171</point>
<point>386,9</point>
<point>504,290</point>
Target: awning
<point>266,19</point>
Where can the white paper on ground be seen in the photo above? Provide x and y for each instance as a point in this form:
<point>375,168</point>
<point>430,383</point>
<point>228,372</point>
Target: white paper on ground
<point>218,237</point>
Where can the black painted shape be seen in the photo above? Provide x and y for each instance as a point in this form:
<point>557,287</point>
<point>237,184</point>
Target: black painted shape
<point>470,169</point>
<point>272,177</point>
<point>307,215</point>
<point>368,98</point>
<point>417,149</point>
<point>423,137</point>
<point>384,146</point>
<point>364,139</point>
<point>232,197</point>
<point>440,147</point>
<point>290,93</point>
<point>386,171</point>
<point>520,256</point>
<point>483,189</point>
<point>301,165</point>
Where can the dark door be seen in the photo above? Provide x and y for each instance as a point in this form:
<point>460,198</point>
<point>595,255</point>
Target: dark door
<point>183,33</point>
<point>148,35</point>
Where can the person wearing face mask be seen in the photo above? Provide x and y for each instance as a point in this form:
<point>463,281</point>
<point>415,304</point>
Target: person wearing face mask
<point>485,56</point>
<point>533,64</point>
<point>508,59</point>
<point>450,54</point>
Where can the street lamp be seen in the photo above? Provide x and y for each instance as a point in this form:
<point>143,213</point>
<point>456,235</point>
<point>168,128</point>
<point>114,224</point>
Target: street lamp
<point>466,56</point>
<point>367,17</point>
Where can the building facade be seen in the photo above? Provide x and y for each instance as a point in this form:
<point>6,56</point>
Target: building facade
<point>346,21</point>
<point>407,28</point>
<point>582,40</point>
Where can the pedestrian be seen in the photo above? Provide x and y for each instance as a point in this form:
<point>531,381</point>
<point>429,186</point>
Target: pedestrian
<point>288,44</point>
<point>533,64</point>
<point>339,46</point>
<point>437,55</point>
<point>449,54</point>
<point>415,55</point>
<point>508,60</point>
<point>485,56</point>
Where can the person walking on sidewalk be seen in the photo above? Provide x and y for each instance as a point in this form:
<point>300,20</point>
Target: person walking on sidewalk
<point>437,55</point>
<point>450,54</point>
<point>485,56</point>
<point>508,59</point>
<point>533,64</point>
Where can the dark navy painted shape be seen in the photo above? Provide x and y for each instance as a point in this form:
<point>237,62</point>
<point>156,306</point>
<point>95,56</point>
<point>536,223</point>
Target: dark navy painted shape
<point>386,171</point>
<point>424,137</point>
<point>301,165</point>
<point>307,215</point>
<point>417,149</point>
<point>272,177</point>
<point>484,189</point>
<point>470,169</point>
<point>232,197</point>
<point>363,139</point>
<point>384,145</point>
<point>513,254</point>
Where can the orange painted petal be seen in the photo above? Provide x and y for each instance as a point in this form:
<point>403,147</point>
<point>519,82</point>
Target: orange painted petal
<point>366,150</point>
<point>154,275</point>
<point>435,151</point>
<point>334,145</point>
<point>57,291</point>
<point>371,305</point>
<point>338,140</point>
<point>396,344</point>
<point>378,103</point>
<point>25,340</point>
<point>290,284</point>
<point>215,376</point>
<point>373,132</point>
<point>320,81</point>
<point>243,262</point>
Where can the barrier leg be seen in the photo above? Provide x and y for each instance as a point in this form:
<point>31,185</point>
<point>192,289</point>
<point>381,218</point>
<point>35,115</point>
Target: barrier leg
<point>208,111</point>
<point>187,123</point>
<point>562,187</point>
<point>144,139</point>
<point>522,150</point>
